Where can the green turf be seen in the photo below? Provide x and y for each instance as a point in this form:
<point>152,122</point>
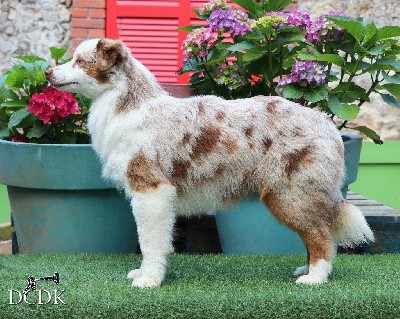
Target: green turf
<point>217,286</point>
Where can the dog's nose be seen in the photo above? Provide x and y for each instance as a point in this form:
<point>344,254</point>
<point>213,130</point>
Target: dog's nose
<point>49,73</point>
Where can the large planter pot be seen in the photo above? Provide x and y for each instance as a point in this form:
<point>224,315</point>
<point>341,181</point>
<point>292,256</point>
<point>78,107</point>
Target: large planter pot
<point>250,228</point>
<point>60,203</point>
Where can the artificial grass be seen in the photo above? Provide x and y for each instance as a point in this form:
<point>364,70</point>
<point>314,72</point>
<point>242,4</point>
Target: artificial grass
<point>212,286</point>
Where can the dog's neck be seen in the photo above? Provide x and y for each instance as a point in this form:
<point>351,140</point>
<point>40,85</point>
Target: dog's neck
<point>136,84</point>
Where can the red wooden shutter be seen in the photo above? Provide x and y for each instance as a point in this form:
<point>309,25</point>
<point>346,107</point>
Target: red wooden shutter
<point>149,30</point>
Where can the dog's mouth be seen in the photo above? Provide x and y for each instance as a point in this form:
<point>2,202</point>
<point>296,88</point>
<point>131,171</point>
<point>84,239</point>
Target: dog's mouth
<point>59,85</point>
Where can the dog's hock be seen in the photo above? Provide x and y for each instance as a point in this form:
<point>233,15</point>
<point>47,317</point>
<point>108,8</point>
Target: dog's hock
<point>109,53</point>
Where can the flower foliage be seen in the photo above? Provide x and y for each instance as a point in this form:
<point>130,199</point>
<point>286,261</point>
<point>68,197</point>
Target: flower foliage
<point>257,48</point>
<point>33,111</point>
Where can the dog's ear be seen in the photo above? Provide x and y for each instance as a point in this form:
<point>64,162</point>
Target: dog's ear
<point>110,53</point>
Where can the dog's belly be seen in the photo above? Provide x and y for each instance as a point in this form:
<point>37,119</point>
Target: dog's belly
<point>206,199</point>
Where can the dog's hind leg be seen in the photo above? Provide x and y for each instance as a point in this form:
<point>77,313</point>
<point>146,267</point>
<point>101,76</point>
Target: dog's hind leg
<point>155,217</point>
<point>308,216</point>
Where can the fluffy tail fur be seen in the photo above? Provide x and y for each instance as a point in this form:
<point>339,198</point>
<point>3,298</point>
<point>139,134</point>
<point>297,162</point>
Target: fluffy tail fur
<point>351,228</point>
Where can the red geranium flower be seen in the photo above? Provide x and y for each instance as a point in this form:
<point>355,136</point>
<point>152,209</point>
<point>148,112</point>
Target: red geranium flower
<point>20,139</point>
<point>52,105</point>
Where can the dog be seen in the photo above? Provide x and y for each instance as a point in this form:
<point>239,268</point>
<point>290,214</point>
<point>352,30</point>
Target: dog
<point>176,156</point>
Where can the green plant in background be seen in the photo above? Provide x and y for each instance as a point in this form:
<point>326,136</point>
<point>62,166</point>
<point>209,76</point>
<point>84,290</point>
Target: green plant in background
<point>33,111</point>
<point>259,49</point>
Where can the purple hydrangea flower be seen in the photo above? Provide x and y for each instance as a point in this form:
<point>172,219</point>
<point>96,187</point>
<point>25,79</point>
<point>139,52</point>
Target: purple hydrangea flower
<point>299,19</point>
<point>233,21</point>
<point>296,18</point>
<point>325,27</point>
<point>309,72</point>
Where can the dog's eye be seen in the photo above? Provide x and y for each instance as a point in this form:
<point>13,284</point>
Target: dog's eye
<point>79,61</point>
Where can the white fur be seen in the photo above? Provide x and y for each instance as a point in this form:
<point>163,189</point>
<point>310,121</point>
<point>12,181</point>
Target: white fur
<point>291,154</point>
<point>317,274</point>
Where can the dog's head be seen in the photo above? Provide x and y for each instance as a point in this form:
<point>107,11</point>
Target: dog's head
<point>93,69</point>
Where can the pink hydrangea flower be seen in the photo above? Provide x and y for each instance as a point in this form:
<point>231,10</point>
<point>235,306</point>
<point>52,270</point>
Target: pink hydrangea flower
<point>52,105</point>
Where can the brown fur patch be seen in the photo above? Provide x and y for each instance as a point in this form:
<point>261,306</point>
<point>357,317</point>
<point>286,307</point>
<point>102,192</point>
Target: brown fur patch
<point>202,109</point>
<point>92,69</point>
<point>316,239</point>
<point>140,176</point>
<point>272,106</point>
<point>220,116</point>
<point>249,132</point>
<point>135,82</point>
<point>319,245</point>
<point>220,170</point>
<point>296,159</point>
<point>180,170</point>
<point>109,53</point>
<point>206,142</point>
<point>230,145</point>
<point>186,138</point>
<point>267,143</point>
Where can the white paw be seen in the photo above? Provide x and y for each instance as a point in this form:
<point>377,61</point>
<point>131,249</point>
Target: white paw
<point>312,280</point>
<point>303,270</point>
<point>134,273</point>
<point>146,282</point>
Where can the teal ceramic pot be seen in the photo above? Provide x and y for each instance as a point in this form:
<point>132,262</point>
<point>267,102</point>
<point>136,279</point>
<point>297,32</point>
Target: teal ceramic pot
<point>60,203</point>
<point>250,228</point>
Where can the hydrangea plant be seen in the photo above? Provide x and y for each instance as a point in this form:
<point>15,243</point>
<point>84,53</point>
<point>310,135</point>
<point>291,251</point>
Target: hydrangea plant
<point>33,111</point>
<point>256,48</point>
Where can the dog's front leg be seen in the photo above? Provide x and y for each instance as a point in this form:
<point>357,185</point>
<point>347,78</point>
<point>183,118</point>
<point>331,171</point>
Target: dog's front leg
<point>155,217</point>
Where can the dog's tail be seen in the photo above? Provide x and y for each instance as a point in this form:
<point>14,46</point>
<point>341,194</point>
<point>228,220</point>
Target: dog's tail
<point>350,228</point>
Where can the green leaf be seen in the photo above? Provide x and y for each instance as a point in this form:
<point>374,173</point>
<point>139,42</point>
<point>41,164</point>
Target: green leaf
<point>350,92</point>
<point>393,88</point>
<point>316,95</point>
<point>4,132</point>
<point>29,58</point>
<point>17,117</point>
<point>371,34</point>
<point>330,58</point>
<point>57,53</point>
<point>384,64</point>
<point>388,32</point>
<point>16,103</point>
<point>342,110</point>
<point>390,99</point>
<point>283,38</point>
<point>276,5</point>
<point>3,79</point>
<point>69,138</point>
<point>241,46</point>
<point>369,133</point>
<point>391,78</point>
<point>251,6</point>
<point>254,54</point>
<point>292,92</point>
<point>377,49</point>
<point>353,26</point>
<point>189,66</point>
<point>189,28</point>
<point>38,130</point>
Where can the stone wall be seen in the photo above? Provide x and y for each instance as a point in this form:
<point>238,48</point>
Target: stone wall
<point>385,120</point>
<point>30,27</point>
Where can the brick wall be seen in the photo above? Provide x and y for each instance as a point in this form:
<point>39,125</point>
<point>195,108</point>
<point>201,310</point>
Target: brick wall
<point>88,20</point>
